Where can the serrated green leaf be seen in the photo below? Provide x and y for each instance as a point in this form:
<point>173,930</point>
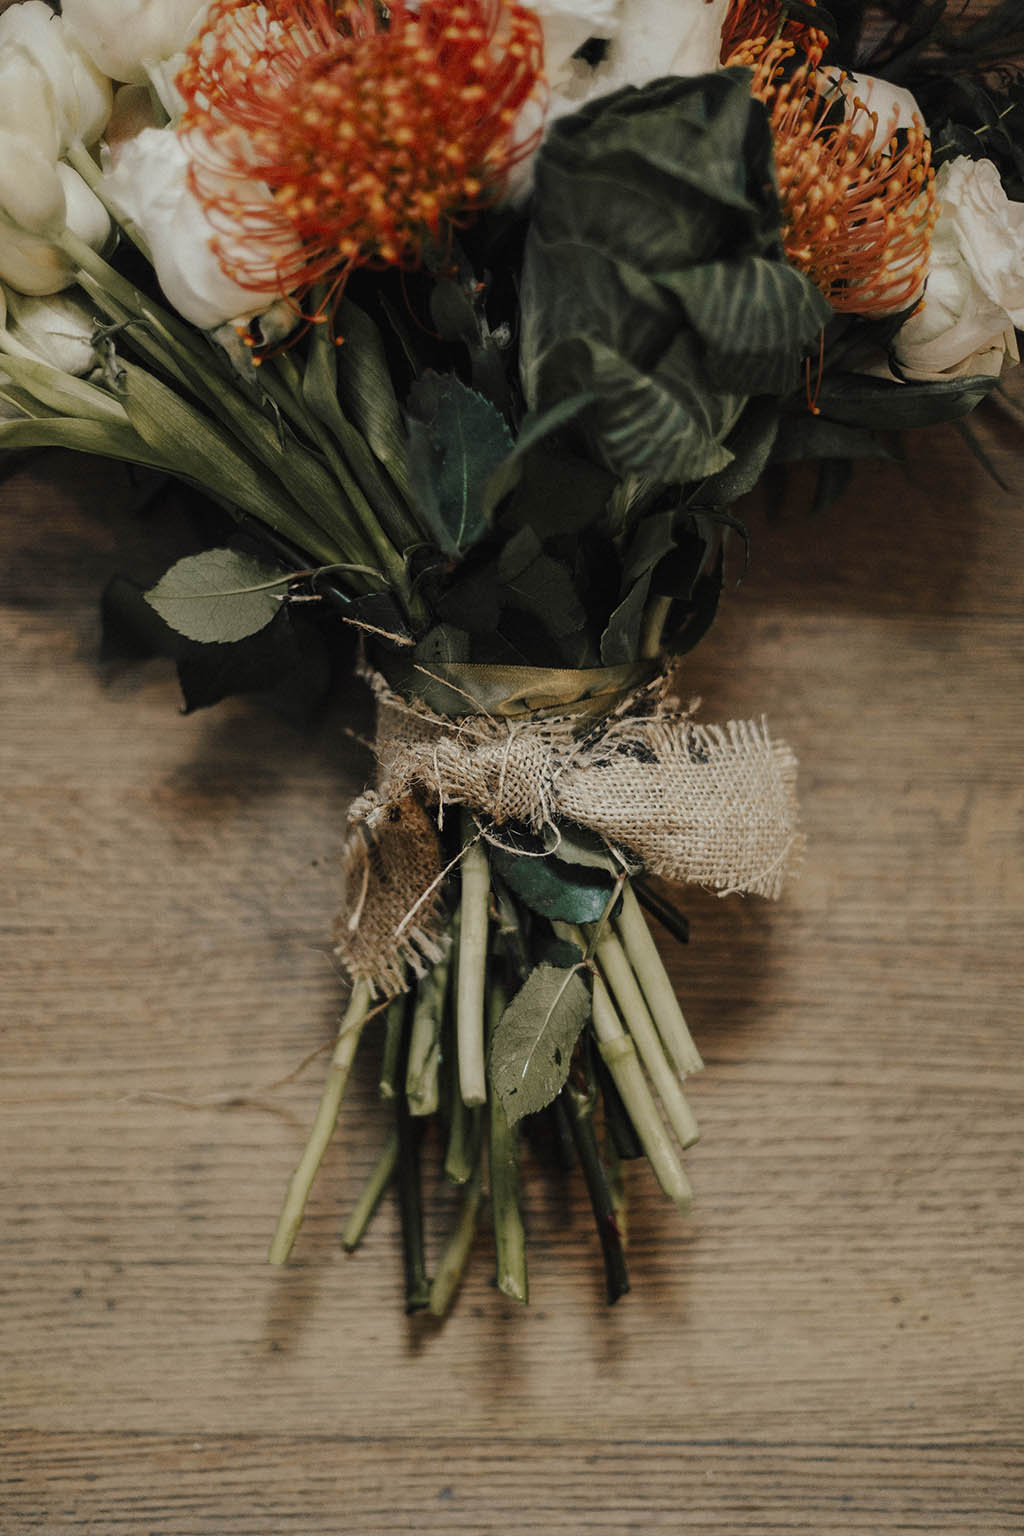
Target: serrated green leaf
<point>553,888</point>
<point>456,440</point>
<point>534,1040</point>
<point>218,596</point>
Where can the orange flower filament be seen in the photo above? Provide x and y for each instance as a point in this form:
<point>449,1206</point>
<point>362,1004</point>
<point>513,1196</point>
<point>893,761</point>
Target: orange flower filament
<point>857,218</point>
<point>753,26</point>
<point>373,128</point>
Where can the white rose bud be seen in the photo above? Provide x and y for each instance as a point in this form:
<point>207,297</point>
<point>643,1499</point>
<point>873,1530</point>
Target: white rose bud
<point>31,194</point>
<point>127,38</point>
<point>974,295</point>
<point>149,185</point>
<point>82,94</point>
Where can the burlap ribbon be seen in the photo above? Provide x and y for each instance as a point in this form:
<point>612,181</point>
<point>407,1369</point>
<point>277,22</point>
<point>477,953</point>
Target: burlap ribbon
<point>706,803</point>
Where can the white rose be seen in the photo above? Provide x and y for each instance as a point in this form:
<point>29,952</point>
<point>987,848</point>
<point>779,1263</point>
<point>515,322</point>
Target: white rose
<point>31,195</point>
<point>58,329</point>
<point>149,185</point>
<point>82,95</point>
<point>29,260</point>
<point>975,290</point>
<point>129,37</point>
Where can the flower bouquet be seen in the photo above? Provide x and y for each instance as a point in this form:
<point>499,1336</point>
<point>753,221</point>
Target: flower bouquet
<point>469,321</point>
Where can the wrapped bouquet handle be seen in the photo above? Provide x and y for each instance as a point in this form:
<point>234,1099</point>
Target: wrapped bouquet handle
<point>565,784</point>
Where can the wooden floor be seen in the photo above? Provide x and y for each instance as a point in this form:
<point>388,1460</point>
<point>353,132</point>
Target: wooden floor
<point>833,1342</point>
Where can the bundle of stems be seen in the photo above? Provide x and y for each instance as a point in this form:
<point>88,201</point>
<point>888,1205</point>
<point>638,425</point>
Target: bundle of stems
<point>621,1099</point>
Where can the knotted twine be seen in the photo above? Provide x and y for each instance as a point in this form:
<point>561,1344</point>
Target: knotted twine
<point>712,804</point>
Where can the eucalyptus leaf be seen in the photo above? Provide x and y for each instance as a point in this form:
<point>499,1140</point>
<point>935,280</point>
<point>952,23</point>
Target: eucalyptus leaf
<point>577,845</point>
<point>554,888</point>
<point>218,596</point>
<point>533,1043</point>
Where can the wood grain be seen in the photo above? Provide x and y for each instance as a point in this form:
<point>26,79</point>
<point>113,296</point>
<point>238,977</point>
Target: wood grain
<point>831,1344</point>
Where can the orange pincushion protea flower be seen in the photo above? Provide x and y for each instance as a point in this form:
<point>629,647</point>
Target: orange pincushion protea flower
<point>857,215</point>
<point>372,127</point>
<point>753,26</point>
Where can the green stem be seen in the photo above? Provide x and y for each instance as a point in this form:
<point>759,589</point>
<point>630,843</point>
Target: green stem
<point>421,1077</point>
<point>373,1190</point>
<point>503,1158</point>
<point>658,990</point>
<point>617,971</point>
<point>457,1250</point>
<point>620,1056</point>
<point>472,972</point>
<point>394,1028</point>
<point>580,1107</point>
<point>323,1126</point>
<point>410,1202</point>
<point>462,1155</point>
<point>384,551</point>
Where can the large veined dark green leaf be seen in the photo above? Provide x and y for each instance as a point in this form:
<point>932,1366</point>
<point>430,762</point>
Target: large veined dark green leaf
<point>756,318</point>
<point>219,596</point>
<point>654,277</point>
<point>456,440</point>
<point>533,1043</point>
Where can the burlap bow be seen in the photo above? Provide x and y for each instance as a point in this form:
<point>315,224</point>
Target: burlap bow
<point>705,803</point>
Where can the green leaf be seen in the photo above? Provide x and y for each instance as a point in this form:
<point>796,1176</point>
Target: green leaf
<point>577,845</point>
<point>540,585</point>
<point>106,439</point>
<point>533,1043</point>
<point>185,440</point>
<point>218,596</point>
<point>750,443</point>
<point>456,440</point>
<point>815,437</point>
<point>553,888</point>
<point>861,401</point>
<point>757,319</point>
<point>63,392</point>
<point>620,641</point>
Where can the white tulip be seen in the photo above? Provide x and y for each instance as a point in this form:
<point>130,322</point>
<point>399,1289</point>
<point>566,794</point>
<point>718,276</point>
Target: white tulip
<point>150,186</point>
<point>31,194</point>
<point>974,295</point>
<point>58,329</point>
<point>128,37</point>
<point>82,94</point>
<point>32,263</point>
<point>27,105</point>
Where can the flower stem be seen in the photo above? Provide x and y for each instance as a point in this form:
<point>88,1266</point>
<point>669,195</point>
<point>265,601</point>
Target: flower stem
<point>381,1176</point>
<point>462,1154</point>
<point>410,1202</point>
<point>421,1076</point>
<point>394,1027</point>
<point>509,1237</point>
<point>290,1218</point>
<point>472,971</point>
<point>643,956</point>
<point>456,1254</point>
<point>617,971</point>
<point>619,1053</point>
<point>580,1114</point>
